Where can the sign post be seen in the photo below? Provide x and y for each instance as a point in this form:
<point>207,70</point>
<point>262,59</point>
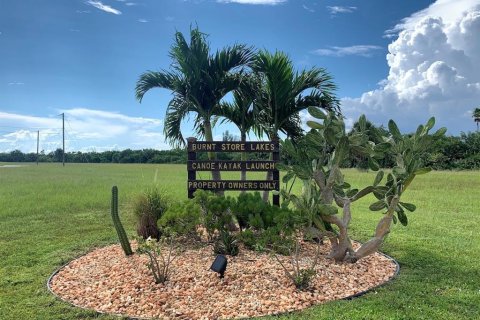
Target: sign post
<point>194,165</point>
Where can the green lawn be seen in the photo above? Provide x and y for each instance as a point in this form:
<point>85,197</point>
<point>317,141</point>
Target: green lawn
<point>50,214</point>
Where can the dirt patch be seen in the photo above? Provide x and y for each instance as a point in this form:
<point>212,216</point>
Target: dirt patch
<point>254,284</point>
<point>12,165</point>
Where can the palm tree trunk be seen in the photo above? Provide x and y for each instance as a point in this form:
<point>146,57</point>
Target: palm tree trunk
<point>266,193</point>
<point>211,155</point>
<point>269,175</point>
<point>243,139</point>
<point>243,155</point>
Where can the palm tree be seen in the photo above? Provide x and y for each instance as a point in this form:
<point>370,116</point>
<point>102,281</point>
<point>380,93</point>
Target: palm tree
<point>476,116</point>
<point>283,93</point>
<point>198,81</point>
<point>240,112</point>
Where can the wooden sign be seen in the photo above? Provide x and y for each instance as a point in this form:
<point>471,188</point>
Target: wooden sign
<point>194,165</point>
<point>217,165</point>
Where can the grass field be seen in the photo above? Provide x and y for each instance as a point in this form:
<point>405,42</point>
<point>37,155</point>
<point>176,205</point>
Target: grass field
<point>50,214</point>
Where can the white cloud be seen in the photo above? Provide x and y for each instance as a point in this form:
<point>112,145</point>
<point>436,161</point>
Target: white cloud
<point>86,129</point>
<point>264,2</point>
<point>16,83</point>
<point>142,20</point>
<point>308,8</point>
<point>99,5</point>
<point>339,9</point>
<point>130,4</point>
<point>357,50</point>
<point>434,70</point>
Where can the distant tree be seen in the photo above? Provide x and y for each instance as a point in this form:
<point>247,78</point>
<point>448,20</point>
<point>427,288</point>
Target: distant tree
<point>375,134</point>
<point>228,137</point>
<point>476,116</point>
<point>58,155</point>
<point>16,156</point>
<point>198,81</point>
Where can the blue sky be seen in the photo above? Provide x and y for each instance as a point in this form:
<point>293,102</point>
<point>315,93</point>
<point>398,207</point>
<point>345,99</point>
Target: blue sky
<point>405,60</point>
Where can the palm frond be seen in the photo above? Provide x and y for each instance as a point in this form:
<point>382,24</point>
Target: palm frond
<point>177,110</point>
<point>154,79</point>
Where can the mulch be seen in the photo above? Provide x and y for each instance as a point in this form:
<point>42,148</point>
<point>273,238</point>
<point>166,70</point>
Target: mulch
<point>255,284</point>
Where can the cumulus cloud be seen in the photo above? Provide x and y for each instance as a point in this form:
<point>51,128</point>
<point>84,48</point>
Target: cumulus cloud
<point>99,5</point>
<point>339,9</point>
<point>264,2</point>
<point>434,70</point>
<point>86,129</point>
<point>357,50</point>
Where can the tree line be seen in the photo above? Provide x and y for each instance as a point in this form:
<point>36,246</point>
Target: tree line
<point>460,152</point>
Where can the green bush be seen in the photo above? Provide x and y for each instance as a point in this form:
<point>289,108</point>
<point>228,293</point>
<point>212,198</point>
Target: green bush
<point>249,239</point>
<point>252,212</point>
<point>246,207</point>
<point>181,219</point>
<point>226,244</point>
<point>148,208</point>
<point>215,212</point>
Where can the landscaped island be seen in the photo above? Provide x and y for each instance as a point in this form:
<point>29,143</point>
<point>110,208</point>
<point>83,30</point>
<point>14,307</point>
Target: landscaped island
<point>279,254</point>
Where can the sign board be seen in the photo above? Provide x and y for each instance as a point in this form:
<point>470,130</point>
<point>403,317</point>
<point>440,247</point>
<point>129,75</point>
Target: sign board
<point>194,165</point>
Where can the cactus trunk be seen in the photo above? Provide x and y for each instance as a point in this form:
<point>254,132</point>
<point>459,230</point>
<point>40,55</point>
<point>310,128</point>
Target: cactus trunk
<point>122,236</point>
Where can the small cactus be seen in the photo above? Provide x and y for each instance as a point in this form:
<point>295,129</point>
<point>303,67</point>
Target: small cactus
<point>122,236</point>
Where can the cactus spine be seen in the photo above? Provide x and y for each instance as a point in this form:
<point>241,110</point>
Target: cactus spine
<point>122,236</point>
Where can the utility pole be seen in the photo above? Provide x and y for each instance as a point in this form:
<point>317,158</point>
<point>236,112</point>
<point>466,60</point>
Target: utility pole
<point>63,138</point>
<point>38,140</point>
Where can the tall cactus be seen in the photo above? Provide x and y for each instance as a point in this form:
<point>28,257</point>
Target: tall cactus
<point>122,236</point>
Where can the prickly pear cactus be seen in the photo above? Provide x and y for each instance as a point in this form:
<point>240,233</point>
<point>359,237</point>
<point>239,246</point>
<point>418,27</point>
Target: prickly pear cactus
<point>122,236</point>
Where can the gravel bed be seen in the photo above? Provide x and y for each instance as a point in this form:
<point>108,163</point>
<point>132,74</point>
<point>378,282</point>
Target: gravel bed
<point>254,285</point>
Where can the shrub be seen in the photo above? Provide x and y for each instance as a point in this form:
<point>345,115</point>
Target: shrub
<point>159,261</point>
<point>252,212</point>
<point>247,207</point>
<point>181,219</point>
<point>215,212</point>
<point>226,244</point>
<point>301,277</point>
<point>149,207</point>
<point>264,226</point>
<point>249,239</point>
